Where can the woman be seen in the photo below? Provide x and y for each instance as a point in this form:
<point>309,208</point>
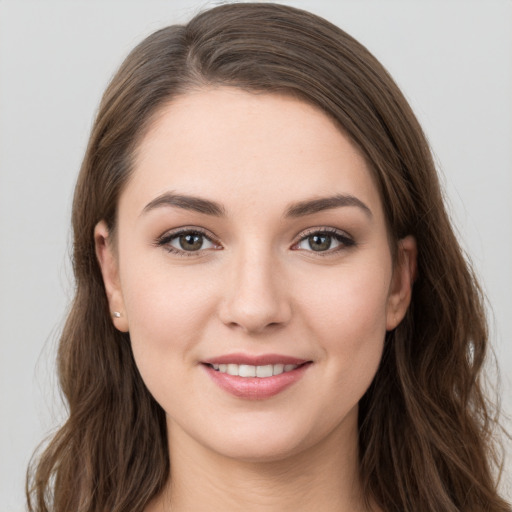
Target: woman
<point>272,311</point>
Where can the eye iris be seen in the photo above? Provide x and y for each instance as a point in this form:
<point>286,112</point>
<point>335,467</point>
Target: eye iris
<point>319,242</point>
<point>191,241</point>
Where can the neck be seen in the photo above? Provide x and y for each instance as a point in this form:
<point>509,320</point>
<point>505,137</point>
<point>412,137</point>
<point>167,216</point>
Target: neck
<point>322,477</point>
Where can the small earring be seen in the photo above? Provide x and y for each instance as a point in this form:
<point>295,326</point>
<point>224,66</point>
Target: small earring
<point>116,314</point>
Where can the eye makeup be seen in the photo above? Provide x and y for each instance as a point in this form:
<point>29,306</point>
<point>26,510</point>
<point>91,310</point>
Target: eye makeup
<point>187,241</point>
<point>323,241</point>
<point>194,241</point>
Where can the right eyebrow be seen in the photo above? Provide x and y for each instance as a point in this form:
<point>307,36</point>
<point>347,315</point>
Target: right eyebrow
<point>186,202</point>
<point>303,208</point>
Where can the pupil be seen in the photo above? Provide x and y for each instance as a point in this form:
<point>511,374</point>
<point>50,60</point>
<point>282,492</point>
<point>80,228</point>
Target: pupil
<point>319,242</point>
<point>191,242</point>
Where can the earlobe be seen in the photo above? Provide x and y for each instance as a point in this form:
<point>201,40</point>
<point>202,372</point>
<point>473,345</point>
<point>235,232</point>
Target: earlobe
<point>107,259</point>
<point>402,282</point>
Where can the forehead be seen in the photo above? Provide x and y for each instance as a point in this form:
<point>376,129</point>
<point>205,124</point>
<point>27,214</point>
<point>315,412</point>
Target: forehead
<point>265,147</point>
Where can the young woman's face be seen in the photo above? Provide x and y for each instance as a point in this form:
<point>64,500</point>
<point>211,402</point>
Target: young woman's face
<point>253,272</point>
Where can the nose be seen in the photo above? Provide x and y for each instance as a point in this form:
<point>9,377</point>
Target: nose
<point>255,297</point>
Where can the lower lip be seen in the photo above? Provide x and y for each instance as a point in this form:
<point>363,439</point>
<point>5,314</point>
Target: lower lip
<point>256,388</point>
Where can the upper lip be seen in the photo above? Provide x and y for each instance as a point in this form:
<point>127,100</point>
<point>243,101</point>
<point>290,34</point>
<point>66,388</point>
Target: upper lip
<point>255,360</point>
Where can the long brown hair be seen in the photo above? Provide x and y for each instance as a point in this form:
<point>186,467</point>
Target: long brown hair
<point>426,427</point>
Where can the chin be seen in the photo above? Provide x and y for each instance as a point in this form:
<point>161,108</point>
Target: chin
<point>268,451</point>
<point>263,441</point>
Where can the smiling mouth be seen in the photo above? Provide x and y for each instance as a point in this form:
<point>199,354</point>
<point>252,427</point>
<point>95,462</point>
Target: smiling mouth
<point>252,377</point>
<point>247,370</point>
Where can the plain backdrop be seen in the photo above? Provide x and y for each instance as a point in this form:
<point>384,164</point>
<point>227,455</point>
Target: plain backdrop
<point>453,60</point>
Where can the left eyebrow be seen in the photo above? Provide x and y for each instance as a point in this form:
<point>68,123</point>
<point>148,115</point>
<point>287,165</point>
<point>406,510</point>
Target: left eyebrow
<point>186,202</point>
<point>309,207</point>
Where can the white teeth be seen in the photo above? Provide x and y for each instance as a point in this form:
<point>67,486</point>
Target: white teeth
<point>278,369</point>
<point>247,370</point>
<point>264,371</point>
<point>232,369</point>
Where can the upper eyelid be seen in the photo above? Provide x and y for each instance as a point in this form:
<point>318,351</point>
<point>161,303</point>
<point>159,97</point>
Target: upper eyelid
<point>329,230</point>
<point>188,229</point>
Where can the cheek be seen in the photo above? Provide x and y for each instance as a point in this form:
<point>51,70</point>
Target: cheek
<point>167,313</point>
<point>347,314</point>
<point>351,298</point>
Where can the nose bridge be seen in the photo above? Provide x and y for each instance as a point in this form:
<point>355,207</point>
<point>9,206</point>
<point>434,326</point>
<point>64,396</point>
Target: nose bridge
<point>254,295</point>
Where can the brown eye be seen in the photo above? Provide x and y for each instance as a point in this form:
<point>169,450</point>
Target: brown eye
<point>319,242</point>
<point>190,241</point>
<point>328,241</point>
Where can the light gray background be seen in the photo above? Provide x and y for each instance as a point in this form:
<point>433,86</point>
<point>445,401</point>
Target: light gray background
<point>453,59</point>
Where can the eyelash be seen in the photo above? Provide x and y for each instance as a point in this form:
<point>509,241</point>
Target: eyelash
<point>344,240</point>
<point>166,239</point>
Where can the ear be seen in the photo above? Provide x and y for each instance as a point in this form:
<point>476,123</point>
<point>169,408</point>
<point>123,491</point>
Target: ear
<point>402,281</point>
<point>107,259</point>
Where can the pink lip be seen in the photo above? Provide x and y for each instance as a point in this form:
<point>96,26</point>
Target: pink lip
<point>255,388</point>
<point>253,360</point>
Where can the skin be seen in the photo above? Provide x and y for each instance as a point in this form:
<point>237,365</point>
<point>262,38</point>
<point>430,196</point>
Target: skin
<point>256,288</point>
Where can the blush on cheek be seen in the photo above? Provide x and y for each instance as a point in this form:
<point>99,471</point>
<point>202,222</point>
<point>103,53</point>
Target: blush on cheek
<point>352,303</point>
